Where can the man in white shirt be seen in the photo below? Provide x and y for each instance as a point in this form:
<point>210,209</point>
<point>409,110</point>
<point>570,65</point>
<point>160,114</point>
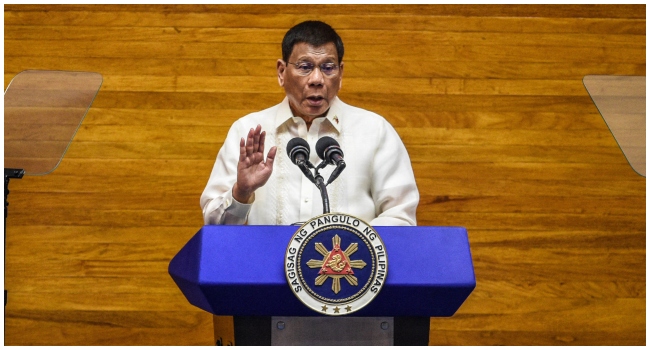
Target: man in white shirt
<point>251,185</point>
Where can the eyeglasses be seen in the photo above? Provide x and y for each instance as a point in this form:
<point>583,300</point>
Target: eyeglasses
<point>305,68</point>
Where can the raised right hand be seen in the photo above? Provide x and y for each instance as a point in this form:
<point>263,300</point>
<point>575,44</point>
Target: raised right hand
<point>252,171</point>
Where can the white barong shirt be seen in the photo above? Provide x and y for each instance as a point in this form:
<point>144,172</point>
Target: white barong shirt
<point>377,185</point>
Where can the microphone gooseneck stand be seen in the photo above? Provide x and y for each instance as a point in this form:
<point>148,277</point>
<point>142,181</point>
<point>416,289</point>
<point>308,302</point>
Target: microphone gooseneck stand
<point>322,187</point>
<point>317,179</point>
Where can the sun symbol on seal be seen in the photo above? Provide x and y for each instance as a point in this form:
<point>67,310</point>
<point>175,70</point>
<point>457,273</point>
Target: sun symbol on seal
<point>336,264</point>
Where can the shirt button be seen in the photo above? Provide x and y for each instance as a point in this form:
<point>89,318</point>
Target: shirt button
<point>306,200</point>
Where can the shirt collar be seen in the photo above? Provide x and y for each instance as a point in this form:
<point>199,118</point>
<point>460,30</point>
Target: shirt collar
<point>334,114</point>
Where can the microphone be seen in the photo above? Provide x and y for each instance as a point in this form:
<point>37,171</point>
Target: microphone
<point>298,152</point>
<point>329,150</point>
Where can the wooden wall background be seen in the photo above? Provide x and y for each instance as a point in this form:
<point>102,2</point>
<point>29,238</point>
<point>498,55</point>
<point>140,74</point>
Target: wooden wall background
<point>489,101</point>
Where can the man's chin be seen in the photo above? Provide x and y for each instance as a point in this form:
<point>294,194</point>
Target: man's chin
<point>316,111</point>
<point>310,112</point>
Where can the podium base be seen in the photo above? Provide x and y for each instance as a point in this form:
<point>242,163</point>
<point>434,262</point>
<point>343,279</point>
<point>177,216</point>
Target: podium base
<point>266,330</point>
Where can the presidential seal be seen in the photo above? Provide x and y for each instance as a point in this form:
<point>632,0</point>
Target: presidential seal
<point>336,264</point>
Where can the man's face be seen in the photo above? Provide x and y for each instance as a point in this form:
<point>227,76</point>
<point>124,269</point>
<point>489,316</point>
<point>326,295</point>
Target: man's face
<point>310,96</point>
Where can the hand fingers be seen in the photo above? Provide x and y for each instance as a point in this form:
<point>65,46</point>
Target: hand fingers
<point>253,146</point>
<point>242,150</point>
<point>249,143</point>
<point>261,144</point>
<point>270,158</point>
<point>256,138</point>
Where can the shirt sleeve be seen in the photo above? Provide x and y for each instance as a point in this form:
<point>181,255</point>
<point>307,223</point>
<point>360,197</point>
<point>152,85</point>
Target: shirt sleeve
<point>219,206</point>
<point>393,186</point>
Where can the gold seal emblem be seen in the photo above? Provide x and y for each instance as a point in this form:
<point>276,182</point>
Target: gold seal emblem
<point>336,247</point>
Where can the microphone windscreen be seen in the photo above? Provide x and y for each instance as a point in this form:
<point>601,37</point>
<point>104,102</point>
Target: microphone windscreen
<point>295,144</point>
<point>323,143</point>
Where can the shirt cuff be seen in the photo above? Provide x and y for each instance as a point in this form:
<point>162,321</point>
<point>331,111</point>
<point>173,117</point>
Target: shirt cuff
<point>238,209</point>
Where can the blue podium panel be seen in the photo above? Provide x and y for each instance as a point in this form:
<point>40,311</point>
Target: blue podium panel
<point>238,270</point>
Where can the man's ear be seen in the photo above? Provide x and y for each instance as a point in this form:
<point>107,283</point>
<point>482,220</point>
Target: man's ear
<point>281,69</point>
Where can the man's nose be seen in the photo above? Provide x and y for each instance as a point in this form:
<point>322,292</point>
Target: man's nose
<point>316,77</point>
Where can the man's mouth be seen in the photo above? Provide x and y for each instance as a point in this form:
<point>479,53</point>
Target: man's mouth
<point>316,101</point>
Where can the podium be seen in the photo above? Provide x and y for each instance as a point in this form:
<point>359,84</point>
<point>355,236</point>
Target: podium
<point>238,270</point>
